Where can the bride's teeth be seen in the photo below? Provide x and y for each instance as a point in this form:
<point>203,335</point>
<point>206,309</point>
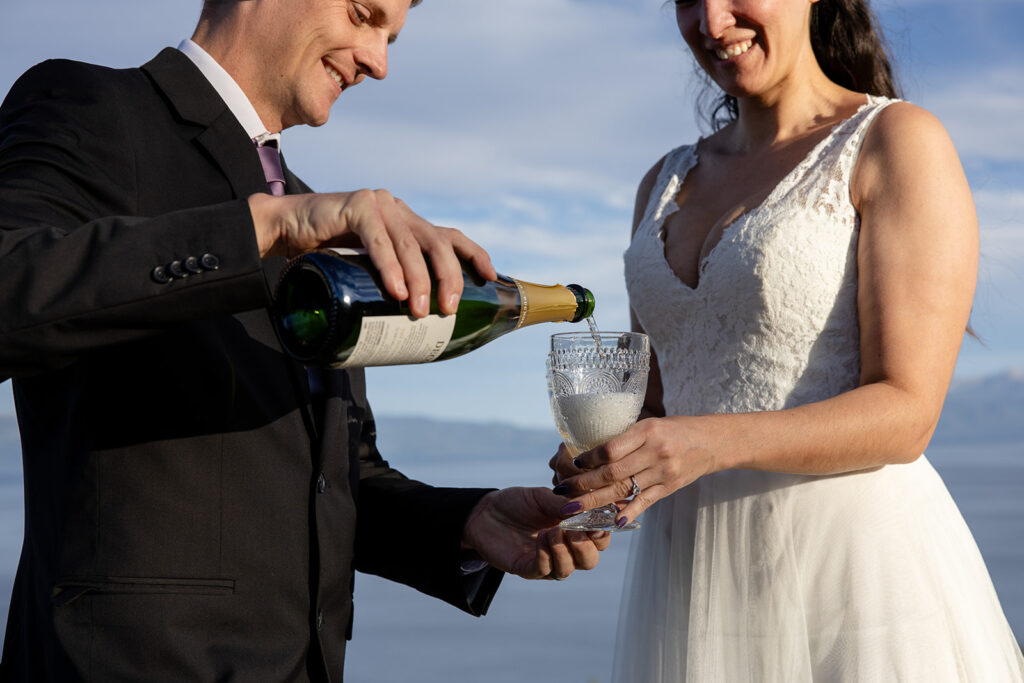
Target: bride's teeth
<point>733,50</point>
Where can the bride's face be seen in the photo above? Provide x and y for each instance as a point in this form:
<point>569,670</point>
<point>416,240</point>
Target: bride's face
<point>748,47</point>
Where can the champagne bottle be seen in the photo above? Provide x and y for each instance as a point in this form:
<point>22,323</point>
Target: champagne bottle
<point>331,308</point>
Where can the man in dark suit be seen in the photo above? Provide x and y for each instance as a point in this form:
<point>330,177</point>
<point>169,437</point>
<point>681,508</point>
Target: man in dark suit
<point>194,510</point>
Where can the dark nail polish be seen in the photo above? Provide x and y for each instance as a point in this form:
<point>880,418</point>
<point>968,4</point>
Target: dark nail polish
<point>561,489</point>
<point>622,522</point>
<point>572,508</point>
<point>577,464</point>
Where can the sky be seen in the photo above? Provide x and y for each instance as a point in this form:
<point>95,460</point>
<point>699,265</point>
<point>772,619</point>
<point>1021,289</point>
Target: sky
<point>528,125</point>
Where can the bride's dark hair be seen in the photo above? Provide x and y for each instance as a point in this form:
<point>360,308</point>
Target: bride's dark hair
<point>850,49</point>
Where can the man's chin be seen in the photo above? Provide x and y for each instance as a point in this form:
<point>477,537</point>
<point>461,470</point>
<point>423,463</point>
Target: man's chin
<point>311,119</point>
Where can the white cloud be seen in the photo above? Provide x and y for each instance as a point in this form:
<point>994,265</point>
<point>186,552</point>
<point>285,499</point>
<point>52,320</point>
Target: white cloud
<point>1001,221</point>
<point>998,314</point>
<point>983,108</point>
<point>1001,269</point>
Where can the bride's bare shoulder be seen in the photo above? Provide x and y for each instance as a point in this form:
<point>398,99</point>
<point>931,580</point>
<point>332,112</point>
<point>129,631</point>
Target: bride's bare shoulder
<point>903,140</point>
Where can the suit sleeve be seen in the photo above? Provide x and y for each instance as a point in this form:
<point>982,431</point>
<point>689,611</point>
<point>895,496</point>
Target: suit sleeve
<point>76,260</point>
<point>408,531</point>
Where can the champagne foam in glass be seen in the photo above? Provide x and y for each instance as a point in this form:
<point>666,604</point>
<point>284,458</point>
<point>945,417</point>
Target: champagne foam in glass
<point>594,419</point>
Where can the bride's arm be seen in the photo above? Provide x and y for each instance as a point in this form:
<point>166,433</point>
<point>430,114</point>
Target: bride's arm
<point>917,264</point>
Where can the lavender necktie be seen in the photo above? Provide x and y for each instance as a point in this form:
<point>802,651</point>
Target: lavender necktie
<point>270,157</point>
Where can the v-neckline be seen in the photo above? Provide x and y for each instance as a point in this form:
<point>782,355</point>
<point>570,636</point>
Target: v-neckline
<point>694,158</point>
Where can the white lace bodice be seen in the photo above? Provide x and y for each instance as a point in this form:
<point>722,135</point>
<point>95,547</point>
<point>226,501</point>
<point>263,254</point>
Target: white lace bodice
<point>772,322</point>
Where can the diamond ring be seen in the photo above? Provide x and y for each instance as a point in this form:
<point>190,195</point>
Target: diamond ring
<point>636,486</point>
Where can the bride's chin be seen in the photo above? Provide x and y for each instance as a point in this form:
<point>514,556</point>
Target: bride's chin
<point>737,88</point>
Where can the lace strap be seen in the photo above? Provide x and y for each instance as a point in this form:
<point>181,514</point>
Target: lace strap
<point>842,147</point>
<point>661,201</point>
<point>859,125</point>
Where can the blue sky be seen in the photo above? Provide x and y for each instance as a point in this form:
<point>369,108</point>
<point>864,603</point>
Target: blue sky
<point>527,124</point>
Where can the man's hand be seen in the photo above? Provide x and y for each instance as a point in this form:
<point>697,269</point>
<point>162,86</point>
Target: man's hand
<point>516,530</point>
<point>395,237</point>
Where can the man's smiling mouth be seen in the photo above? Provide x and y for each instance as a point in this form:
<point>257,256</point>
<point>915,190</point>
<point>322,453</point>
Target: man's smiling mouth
<point>335,75</point>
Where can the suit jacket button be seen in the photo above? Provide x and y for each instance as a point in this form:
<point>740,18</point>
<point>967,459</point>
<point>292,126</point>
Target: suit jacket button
<point>209,261</point>
<point>321,483</point>
<point>177,269</point>
<point>319,619</point>
<point>192,265</point>
<point>160,275</point>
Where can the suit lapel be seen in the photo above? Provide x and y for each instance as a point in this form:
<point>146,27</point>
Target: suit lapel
<point>219,133</point>
<point>222,137</point>
<point>225,142</point>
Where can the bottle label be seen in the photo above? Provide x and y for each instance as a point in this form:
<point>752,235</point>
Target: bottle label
<point>398,340</point>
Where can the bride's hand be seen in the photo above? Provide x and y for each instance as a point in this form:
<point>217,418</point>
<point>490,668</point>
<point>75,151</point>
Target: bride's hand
<point>664,454</point>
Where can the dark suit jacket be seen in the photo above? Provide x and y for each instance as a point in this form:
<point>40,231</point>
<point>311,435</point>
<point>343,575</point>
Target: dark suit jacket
<point>188,517</point>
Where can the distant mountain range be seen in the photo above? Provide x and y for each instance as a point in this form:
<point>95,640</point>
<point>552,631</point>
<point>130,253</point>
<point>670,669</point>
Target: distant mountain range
<point>987,410</point>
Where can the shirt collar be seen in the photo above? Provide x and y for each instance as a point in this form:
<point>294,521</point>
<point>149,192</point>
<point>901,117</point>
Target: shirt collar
<point>230,92</point>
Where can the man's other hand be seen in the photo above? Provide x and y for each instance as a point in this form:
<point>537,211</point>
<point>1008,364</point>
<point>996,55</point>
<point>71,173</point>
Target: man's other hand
<point>515,530</point>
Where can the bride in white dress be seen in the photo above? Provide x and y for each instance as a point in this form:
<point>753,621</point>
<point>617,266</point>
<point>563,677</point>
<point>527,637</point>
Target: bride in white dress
<point>806,275</point>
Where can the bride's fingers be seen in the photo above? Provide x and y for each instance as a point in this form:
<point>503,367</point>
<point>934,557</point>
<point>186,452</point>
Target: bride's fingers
<point>602,495</point>
<point>640,503</point>
<point>614,476</point>
<point>622,446</point>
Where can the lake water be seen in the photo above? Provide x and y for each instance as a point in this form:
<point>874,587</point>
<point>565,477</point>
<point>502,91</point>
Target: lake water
<point>563,631</point>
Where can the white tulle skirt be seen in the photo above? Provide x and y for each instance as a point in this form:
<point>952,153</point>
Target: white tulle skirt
<point>759,577</point>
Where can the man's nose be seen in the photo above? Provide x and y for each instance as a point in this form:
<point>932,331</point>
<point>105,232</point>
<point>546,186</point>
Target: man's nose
<point>372,58</point>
